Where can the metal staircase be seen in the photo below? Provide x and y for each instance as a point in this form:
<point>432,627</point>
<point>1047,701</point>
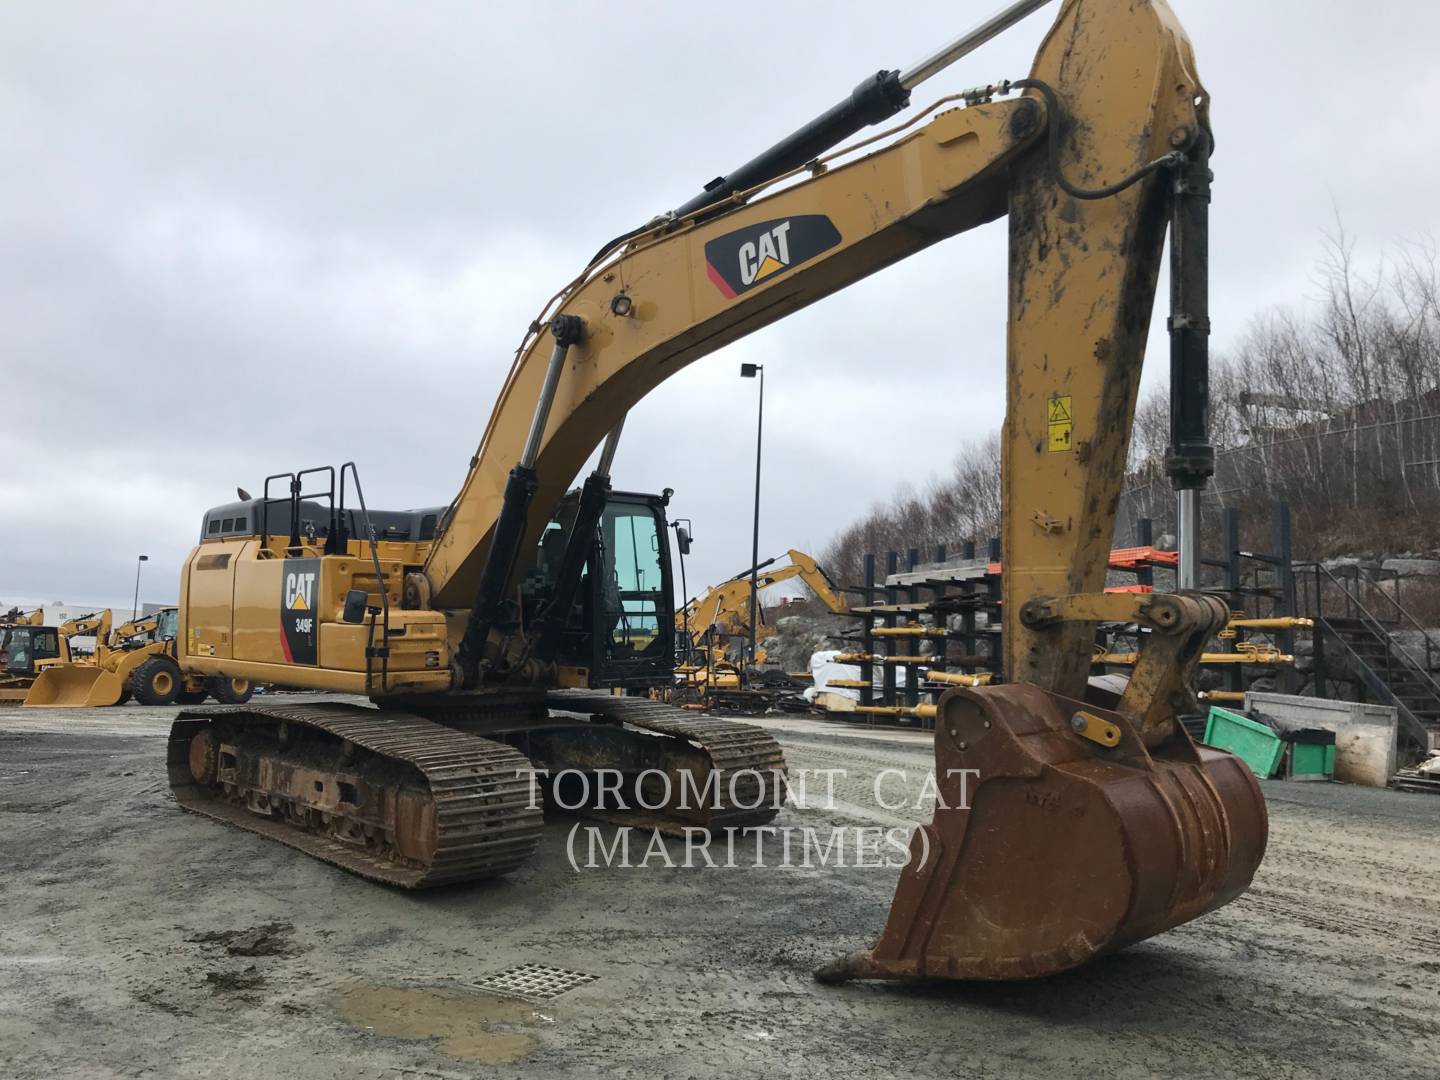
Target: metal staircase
<point>1355,623</point>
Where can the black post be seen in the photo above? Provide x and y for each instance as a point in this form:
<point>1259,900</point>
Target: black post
<point>995,623</point>
<point>892,567</point>
<point>867,669</point>
<point>1285,571</point>
<point>912,671</point>
<point>749,371</point>
<point>1317,638</point>
<point>1145,537</point>
<point>939,647</point>
<point>967,618</point>
<point>1230,527</point>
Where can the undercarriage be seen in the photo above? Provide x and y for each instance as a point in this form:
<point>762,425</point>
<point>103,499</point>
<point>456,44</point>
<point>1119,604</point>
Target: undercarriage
<point>450,790</point>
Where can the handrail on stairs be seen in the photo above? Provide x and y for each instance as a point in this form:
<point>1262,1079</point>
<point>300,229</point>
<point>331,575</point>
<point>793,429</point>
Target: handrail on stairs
<point>1356,608</point>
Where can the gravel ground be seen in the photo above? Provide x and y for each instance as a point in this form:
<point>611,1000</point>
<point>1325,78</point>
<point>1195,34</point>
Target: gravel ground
<point>141,941</point>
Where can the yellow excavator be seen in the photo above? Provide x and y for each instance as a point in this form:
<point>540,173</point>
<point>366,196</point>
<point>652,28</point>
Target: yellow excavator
<point>707,625</point>
<point>137,658</point>
<point>16,617</point>
<point>95,625</point>
<point>1070,822</point>
<point>724,610</point>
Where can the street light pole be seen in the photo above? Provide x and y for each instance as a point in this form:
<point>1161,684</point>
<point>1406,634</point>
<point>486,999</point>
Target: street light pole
<point>750,371</point>
<point>135,610</point>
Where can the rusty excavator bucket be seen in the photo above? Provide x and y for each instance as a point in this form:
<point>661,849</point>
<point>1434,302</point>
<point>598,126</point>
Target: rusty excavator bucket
<point>76,686</point>
<point>1048,850</point>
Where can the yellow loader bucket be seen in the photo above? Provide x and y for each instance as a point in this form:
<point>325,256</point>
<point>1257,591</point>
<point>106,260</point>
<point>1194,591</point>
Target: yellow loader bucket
<point>75,686</point>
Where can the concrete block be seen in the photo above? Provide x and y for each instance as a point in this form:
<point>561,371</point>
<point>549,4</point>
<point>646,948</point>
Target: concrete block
<point>1367,737</point>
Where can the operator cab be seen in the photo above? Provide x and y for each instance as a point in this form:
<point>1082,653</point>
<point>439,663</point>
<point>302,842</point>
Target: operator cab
<point>165,627</point>
<point>621,623</point>
<point>22,646</point>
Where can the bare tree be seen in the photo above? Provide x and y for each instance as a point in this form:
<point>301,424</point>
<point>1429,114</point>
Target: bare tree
<point>1333,407</point>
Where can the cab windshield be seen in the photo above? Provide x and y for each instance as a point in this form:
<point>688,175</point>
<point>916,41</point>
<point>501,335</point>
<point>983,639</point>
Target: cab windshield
<point>632,581</point>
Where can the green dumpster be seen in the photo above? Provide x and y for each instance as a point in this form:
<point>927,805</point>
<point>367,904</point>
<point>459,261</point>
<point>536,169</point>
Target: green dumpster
<point>1255,744</point>
<point>1310,755</point>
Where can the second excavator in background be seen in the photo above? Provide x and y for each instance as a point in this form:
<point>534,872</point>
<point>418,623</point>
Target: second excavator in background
<point>723,613</point>
<point>712,637</point>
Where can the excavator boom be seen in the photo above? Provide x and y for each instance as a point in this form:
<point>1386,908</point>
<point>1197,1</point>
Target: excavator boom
<point>16,617</point>
<point>727,606</point>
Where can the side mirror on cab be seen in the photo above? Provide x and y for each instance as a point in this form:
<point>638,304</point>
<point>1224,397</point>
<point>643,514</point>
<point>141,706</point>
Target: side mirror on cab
<point>355,606</point>
<point>682,538</point>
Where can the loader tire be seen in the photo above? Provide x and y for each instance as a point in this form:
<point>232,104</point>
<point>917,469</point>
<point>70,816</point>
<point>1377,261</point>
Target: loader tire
<point>230,691</point>
<point>156,681</point>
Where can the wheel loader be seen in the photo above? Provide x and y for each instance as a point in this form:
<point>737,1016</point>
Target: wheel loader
<point>1070,822</point>
<point>137,659</point>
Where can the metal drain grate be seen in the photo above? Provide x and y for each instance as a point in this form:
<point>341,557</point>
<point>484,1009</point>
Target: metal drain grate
<point>535,983</point>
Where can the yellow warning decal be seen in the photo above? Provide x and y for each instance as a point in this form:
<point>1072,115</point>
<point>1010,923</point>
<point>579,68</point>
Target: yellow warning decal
<point>1060,424</point>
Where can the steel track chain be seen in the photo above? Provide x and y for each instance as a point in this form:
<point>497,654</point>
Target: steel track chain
<point>741,751</point>
<point>486,819</point>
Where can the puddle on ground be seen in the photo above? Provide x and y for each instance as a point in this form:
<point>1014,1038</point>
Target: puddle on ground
<point>471,1026</point>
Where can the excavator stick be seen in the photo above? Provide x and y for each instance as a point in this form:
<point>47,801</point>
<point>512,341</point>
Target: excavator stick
<point>1068,826</point>
<point>76,686</point>
<point>1043,855</point>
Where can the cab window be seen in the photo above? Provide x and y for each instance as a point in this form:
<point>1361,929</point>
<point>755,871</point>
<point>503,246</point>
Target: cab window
<point>632,581</point>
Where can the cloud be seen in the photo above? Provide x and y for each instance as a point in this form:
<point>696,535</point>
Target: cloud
<point>244,238</point>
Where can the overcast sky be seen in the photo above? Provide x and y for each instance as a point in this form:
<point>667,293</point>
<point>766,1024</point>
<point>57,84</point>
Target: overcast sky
<point>242,238</point>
